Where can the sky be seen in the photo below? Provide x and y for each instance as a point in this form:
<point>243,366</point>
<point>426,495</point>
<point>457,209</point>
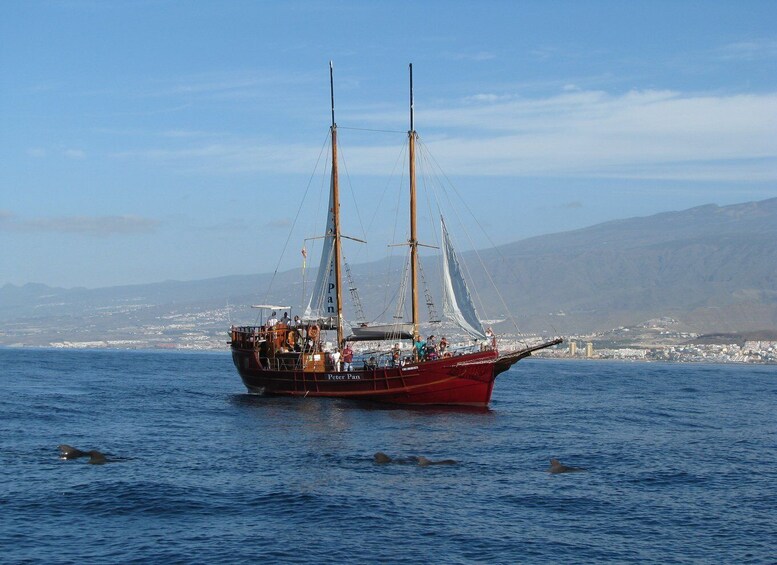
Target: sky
<point>144,141</point>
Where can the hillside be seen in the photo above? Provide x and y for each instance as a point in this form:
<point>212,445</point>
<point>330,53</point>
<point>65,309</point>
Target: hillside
<point>714,269</point>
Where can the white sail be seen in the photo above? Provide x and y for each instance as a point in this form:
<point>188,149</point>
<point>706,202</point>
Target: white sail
<point>457,302</point>
<point>322,307</point>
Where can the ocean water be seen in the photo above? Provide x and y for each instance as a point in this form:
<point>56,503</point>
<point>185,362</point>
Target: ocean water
<point>681,467</point>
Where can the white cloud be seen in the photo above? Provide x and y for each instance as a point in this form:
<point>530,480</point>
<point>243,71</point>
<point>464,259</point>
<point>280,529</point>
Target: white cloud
<point>749,50</point>
<point>571,205</point>
<point>231,155</point>
<point>74,153</point>
<point>650,134</point>
<point>101,226</point>
<point>227,85</point>
<point>489,98</point>
<point>69,153</point>
<point>476,56</point>
<point>646,134</point>
<point>182,133</point>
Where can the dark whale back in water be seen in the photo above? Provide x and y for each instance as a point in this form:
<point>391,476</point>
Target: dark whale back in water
<point>382,458</point>
<point>70,452</point>
<point>97,458</point>
<point>557,467</point>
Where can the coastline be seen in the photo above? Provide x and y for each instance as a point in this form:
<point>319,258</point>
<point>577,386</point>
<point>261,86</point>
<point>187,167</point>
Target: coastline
<point>703,355</point>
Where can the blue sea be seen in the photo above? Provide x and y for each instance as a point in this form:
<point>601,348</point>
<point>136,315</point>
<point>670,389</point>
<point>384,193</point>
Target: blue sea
<point>681,466</point>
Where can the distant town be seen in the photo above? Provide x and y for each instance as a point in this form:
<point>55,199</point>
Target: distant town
<point>207,330</point>
<point>750,352</point>
<point>657,340</point>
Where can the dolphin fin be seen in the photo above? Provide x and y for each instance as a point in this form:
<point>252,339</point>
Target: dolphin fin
<point>557,467</point>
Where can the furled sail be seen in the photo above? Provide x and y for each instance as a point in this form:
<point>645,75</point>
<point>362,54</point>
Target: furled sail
<point>381,332</point>
<point>322,308</point>
<point>457,302</point>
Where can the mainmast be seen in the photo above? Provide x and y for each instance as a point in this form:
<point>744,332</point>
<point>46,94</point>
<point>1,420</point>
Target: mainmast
<point>336,214</point>
<point>413,234</point>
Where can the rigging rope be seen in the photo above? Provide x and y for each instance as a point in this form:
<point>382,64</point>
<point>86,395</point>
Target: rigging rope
<point>399,313</point>
<point>433,317</point>
<point>321,192</point>
<point>293,224</point>
<point>360,317</point>
<point>429,158</point>
<point>353,194</point>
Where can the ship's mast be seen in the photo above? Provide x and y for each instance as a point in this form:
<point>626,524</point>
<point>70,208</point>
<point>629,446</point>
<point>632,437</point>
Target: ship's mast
<point>411,135</point>
<point>336,214</point>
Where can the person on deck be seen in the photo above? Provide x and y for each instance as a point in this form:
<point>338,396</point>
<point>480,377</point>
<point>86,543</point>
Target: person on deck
<point>285,319</point>
<point>443,346</point>
<point>395,353</point>
<point>491,338</point>
<point>272,320</point>
<point>420,349</point>
<point>347,358</point>
<point>431,349</point>
<point>336,359</point>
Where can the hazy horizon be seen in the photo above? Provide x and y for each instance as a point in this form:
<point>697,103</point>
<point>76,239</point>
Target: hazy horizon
<point>269,273</point>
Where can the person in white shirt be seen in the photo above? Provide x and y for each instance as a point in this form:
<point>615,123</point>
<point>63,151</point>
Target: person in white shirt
<point>336,359</point>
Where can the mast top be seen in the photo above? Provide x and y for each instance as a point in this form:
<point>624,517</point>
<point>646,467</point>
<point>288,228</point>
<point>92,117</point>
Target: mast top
<point>332,90</point>
<point>411,98</point>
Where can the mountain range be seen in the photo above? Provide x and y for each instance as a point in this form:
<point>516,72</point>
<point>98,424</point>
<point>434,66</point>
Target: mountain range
<point>710,268</point>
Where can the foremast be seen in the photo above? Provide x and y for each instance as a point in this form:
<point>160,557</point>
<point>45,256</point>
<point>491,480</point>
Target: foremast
<point>411,137</point>
<point>336,216</point>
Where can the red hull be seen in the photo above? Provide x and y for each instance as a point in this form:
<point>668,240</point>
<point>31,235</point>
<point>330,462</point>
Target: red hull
<point>463,380</point>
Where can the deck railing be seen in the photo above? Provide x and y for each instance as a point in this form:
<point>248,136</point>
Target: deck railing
<point>252,337</point>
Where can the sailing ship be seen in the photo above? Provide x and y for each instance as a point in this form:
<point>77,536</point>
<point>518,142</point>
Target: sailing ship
<point>290,358</point>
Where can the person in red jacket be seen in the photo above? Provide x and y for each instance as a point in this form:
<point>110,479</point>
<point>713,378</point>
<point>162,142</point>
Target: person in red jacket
<point>347,358</point>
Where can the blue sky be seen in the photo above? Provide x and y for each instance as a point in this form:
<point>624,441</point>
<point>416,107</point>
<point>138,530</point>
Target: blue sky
<point>146,141</point>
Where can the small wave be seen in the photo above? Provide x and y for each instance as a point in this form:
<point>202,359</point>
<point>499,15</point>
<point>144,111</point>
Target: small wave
<point>669,478</point>
<point>145,498</point>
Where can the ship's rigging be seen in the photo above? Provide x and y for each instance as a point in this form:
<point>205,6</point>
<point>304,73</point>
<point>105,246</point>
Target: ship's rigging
<point>297,358</point>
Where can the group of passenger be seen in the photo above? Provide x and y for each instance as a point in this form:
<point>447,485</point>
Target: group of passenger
<point>286,334</point>
<point>430,350</point>
<point>425,350</point>
<point>285,320</point>
<point>341,360</point>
